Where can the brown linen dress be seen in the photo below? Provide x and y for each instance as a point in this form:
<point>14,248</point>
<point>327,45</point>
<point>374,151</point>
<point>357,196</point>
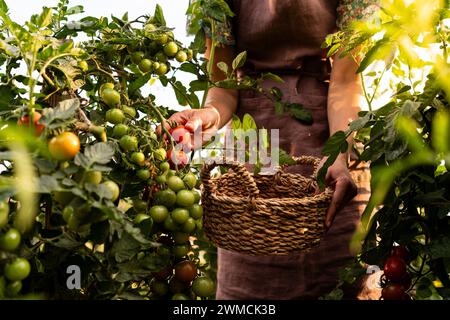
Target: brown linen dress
<point>284,37</point>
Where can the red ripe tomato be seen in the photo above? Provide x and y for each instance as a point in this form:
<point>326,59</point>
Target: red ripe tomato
<point>395,269</point>
<point>185,271</point>
<point>178,158</point>
<point>25,121</point>
<point>400,252</point>
<point>180,134</point>
<point>164,273</point>
<point>393,291</point>
<point>406,282</point>
<point>155,189</point>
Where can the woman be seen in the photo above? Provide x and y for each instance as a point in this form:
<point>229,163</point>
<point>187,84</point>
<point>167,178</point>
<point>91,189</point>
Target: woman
<point>284,37</point>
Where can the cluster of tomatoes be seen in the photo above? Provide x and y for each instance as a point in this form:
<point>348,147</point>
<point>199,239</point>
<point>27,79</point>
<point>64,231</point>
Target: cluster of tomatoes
<point>161,48</point>
<point>396,280</point>
<point>177,217</point>
<point>16,268</point>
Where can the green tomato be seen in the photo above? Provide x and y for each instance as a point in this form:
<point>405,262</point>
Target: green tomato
<point>185,198</point>
<point>137,56</point>
<point>180,296</point>
<point>120,130</point>
<point>10,240</point>
<point>181,56</point>
<point>199,224</point>
<point>160,57</point>
<point>160,154</point>
<point>162,39</point>
<point>4,213</point>
<point>63,197</point>
<point>175,183</point>
<point>171,173</point>
<point>164,166</point>
<point>111,97</point>
<point>190,180</point>
<point>115,116</point>
<point>94,177</point>
<point>179,215</point>
<point>203,287</point>
<point>143,174</point>
<point>138,158</point>
<point>161,179</point>
<point>166,197</point>
<point>128,143</point>
<point>162,69</point>
<point>159,213</point>
<point>67,213</point>
<point>169,224</point>
<point>181,237</point>
<point>159,287</point>
<point>105,86</point>
<point>171,49</point>
<point>196,211</point>
<point>140,205</point>
<point>146,65</point>
<point>181,250</point>
<point>129,111</point>
<point>189,226</point>
<point>17,270</point>
<point>197,196</point>
<point>113,188</point>
<point>140,217</point>
<point>13,288</point>
<point>190,54</point>
<point>149,27</point>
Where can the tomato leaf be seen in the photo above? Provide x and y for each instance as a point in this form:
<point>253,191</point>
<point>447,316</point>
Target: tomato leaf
<point>46,184</point>
<point>273,77</point>
<point>372,55</point>
<point>138,83</point>
<point>223,67</point>
<point>3,7</point>
<point>248,123</point>
<point>300,113</point>
<point>360,123</point>
<point>189,67</point>
<point>55,117</point>
<point>239,61</point>
<point>158,16</point>
<point>6,98</point>
<point>198,85</point>
<point>100,153</point>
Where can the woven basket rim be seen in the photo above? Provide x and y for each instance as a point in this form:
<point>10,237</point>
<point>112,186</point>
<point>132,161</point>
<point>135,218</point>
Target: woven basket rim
<point>323,196</point>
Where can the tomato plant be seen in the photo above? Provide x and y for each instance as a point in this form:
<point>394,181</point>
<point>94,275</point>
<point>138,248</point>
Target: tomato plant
<point>92,184</point>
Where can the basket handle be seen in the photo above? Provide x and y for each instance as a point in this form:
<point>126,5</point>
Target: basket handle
<point>306,160</point>
<point>238,168</point>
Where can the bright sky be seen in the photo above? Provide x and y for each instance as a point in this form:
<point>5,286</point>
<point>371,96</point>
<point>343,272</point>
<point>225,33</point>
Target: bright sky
<point>174,13</point>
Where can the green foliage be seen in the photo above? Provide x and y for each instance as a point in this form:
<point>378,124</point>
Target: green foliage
<point>405,141</point>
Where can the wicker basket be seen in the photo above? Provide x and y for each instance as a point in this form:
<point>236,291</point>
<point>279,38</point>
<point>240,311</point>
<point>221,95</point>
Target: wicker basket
<point>263,214</point>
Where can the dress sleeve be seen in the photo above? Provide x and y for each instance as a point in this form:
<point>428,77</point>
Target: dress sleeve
<point>351,10</point>
<point>223,33</point>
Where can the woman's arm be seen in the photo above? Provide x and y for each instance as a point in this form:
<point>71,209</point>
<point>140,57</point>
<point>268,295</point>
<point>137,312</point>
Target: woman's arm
<point>220,103</point>
<point>344,99</point>
<point>223,100</point>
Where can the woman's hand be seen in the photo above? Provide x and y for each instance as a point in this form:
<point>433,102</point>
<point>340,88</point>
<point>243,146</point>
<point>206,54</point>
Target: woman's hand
<point>338,177</point>
<point>202,123</point>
